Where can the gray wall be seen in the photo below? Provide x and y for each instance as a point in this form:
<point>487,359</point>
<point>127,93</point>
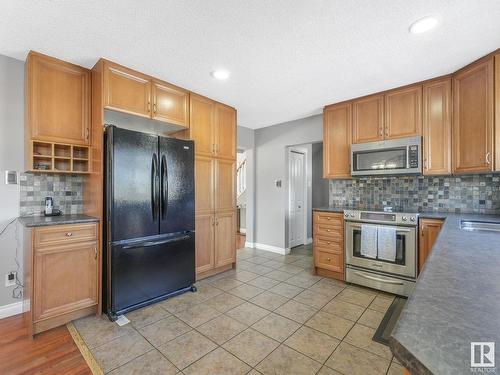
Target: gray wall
<point>246,141</point>
<point>319,184</point>
<point>11,158</point>
<point>271,164</point>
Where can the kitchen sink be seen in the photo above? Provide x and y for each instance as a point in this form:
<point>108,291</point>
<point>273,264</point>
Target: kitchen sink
<point>470,225</point>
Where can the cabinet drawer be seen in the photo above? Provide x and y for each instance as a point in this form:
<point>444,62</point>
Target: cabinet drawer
<point>64,234</point>
<point>329,231</point>
<point>330,261</point>
<point>328,218</point>
<point>324,244</point>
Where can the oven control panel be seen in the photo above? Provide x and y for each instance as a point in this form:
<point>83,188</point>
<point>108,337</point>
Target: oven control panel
<point>381,217</point>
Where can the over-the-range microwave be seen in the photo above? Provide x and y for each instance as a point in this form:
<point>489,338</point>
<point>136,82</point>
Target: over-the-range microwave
<point>397,156</point>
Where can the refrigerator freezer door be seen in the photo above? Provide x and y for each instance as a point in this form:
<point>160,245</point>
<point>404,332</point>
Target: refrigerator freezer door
<point>133,193</point>
<point>176,186</point>
<point>143,272</point>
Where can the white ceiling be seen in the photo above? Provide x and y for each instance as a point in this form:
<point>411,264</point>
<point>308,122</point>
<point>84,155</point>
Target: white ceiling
<point>288,58</point>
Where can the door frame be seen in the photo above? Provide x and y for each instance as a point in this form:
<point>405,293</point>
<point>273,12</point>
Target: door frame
<point>303,151</point>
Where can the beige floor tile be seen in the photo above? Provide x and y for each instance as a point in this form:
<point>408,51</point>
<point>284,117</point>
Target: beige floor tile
<point>164,330</point>
<point>120,351</point>
<point>332,325</point>
<point>261,269</point>
<point>225,302</point>
<point>98,330</point>
<point>278,275</point>
<point>242,264</point>
<point>221,329</point>
<point>276,327</point>
<point>206,292</point>
<point>251,346</point>
<point>245,276</point>
<point>326,288</point>
<point>187,349</point>
<point>286,361</point>
<point>151,363</point>
<point>381,303</point>
<point>312,298</point>
<point>348,359</point>
<point>394,359</point>
<point>181,302</point>
<point>247,313</point>
<point>395,369</point>
<point>296,311</point>
<point>312,343</point>
<point>226,284</point>
<point>274,264</point>
<point>361,336</point>
<point>258,259</point>
<point>286,290</point>
<point>356,297</point>
<point>246,291</point>
<point>291,269</point>
<point>269,301</point>
<point>344,309</point>
<point>328,371</point>
<point>197,315</point>
<point>263,282</point>
<point>147,315</point>
<point>371,318</point>
<point>363,289</point>
<point>218,362</point>
<point>303,279</point>
<point>254,372</point>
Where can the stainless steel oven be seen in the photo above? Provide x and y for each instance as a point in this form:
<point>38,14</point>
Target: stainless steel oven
<point>396,276</point>
<point>397,156</point>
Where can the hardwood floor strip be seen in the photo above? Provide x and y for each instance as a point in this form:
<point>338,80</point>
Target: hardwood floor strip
<point>84,350</point>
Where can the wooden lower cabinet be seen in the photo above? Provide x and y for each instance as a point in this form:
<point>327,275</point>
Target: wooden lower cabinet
<point>205,245</point>
<point>429,231</point>
<point>225,238</point>
<point>328,244</point>
<point>61,274</point>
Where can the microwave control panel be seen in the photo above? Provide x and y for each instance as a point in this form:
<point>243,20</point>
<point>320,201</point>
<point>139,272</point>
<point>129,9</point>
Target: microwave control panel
<point>413,156</point>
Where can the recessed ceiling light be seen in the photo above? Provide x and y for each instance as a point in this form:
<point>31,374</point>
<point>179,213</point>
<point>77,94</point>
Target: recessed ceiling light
<point>220,74</point>
<point>423,25</point>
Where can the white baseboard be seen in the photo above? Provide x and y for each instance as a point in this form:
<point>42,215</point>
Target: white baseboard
<point>273,249</point>
<point>309,241</point>
<point>250,244</point>
<point>11,309</point>
<point>243,230</point>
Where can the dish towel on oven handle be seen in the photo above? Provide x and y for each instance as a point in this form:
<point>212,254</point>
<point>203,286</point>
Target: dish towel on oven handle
<point>369,241</point>
<point>386,239</point>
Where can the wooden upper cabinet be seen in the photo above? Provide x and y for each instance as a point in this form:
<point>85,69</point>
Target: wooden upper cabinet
<point>337,132</point>
<point>202,124</point>
<point>225,238</point>
<point>368,119</point>
<point>170,103</point>
<point>225,198</point>
<point>58,100</point>
<point>126,90</point>
<point>429,231</point>
<point>473,102</point>
<point>225,131</point>
<point>403,112</point>
<point>437,127</point>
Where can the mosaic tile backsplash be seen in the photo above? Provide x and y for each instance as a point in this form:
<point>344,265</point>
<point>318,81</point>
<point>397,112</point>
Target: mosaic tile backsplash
<point>459,194</point>
<point>67,191</point>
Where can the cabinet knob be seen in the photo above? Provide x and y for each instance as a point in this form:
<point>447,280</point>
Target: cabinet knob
<point>69,234</point>
<point>328,259</point>
<point>328,230</point>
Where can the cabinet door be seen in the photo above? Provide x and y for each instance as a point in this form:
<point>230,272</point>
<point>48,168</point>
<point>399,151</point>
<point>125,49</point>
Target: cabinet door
<point>65,279</point>
<point>403,112</point>
<point>368,119</point>
<point>337,141</point>
<point>225,238</point>
<point>58,100</point>
<point>429,231</point>
<point>225,131</point>
<point>170,104</point>
<point>225,191</point>
<point>473,118</point>
<point>204,242</point>
<point>126,90</point>
<point>202,124</point>
<point>437,127</point>
<point>204,168</point>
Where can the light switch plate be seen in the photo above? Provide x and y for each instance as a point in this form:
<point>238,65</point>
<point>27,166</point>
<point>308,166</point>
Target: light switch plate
<point>10,177</point>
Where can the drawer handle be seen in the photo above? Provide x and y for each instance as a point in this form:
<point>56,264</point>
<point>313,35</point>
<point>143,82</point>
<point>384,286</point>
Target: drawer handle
<point>329,218</point>
<point>328,259</point>
<point>328,230</point>
<point>95,252</point>
<point>69,234</point>
<point>329,243</point>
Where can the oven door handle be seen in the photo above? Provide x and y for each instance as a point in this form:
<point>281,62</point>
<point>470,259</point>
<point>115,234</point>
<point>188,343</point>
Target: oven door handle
<point>397,229</point>
<point>377,279</point>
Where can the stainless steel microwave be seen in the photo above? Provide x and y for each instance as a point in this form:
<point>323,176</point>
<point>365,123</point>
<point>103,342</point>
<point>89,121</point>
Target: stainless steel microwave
<point>397,156</point>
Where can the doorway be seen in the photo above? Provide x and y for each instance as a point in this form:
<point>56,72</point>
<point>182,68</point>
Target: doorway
<point>297,198</point>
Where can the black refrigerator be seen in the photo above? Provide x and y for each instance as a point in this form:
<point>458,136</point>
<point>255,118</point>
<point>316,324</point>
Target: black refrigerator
<point>149,251</point>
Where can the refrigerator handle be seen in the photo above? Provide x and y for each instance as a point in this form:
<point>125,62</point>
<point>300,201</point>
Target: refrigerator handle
<point>154,173</point>
<point>164,187</point>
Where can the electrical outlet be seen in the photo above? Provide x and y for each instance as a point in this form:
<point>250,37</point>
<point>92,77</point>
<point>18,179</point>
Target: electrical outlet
<point>10,279</point>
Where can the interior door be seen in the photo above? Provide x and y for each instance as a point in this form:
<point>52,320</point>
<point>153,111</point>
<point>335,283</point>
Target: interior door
<point>133,184</point>
<point>296,198</point>
<point>176,185</point>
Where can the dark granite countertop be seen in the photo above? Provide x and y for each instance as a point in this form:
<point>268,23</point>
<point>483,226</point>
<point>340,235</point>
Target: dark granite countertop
<point>328,209</point>
<point>42,221</point>
<point>456,300</point>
